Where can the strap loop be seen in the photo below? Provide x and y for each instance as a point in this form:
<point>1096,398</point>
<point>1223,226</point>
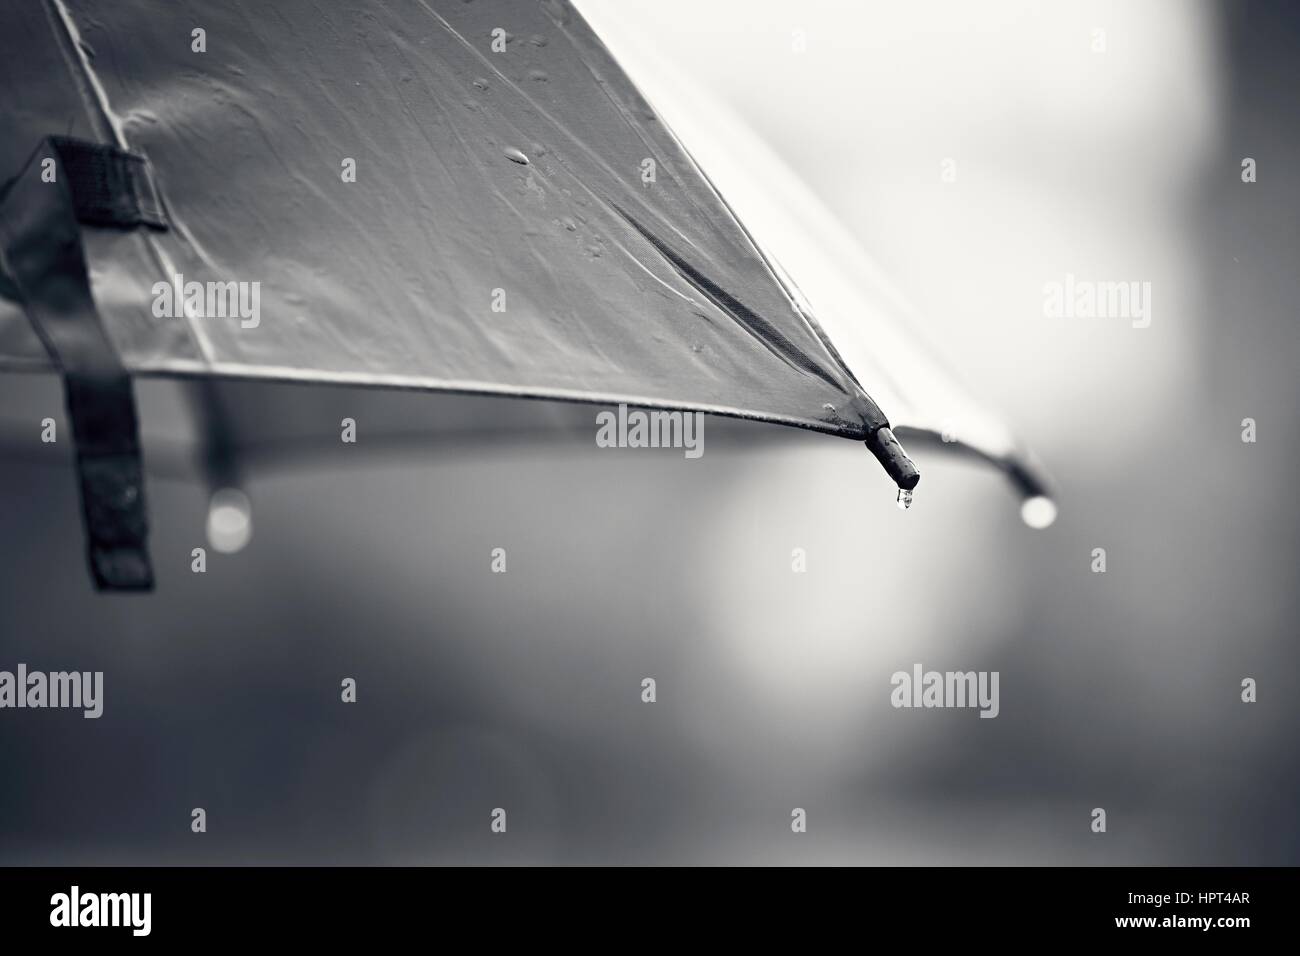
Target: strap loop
<point>43,261</point>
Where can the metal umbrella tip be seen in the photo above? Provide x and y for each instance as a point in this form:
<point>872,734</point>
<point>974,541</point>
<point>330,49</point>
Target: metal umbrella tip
<point>891,455</point>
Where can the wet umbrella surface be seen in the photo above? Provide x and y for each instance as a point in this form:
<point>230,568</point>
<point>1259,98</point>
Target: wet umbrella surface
<point>407,195</point>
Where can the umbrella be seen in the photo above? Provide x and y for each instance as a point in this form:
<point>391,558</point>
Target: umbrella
<point>442,196</point>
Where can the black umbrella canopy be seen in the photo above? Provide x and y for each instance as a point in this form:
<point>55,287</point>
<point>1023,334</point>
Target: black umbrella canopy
<point>450,196</point>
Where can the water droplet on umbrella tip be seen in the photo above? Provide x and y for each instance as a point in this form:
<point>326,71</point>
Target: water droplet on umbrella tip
<point>1038,512</point>
<point>230,520</point>
<point>904,498</point>
<point>516,156</point>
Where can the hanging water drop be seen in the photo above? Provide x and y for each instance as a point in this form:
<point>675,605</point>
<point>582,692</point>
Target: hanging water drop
<point>904,498</point>
<point>230,520</point>
<point>1038,512</point>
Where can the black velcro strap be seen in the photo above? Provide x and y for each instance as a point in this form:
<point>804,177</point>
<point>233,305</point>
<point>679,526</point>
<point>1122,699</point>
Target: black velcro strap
<point>44,261</point>
<point>110,186</point>
<point>112,480</point>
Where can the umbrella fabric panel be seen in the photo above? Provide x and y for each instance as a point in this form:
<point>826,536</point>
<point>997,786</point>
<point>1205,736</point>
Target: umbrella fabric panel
<point>502,234</point>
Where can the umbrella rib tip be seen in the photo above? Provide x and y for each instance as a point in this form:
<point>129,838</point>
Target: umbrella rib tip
<point>889,452</point>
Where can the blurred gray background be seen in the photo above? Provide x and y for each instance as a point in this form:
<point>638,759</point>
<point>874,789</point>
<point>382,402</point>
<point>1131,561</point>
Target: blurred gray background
<point>522,690</point>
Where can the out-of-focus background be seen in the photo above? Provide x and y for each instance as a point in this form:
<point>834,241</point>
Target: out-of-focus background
<point>523,690</point>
